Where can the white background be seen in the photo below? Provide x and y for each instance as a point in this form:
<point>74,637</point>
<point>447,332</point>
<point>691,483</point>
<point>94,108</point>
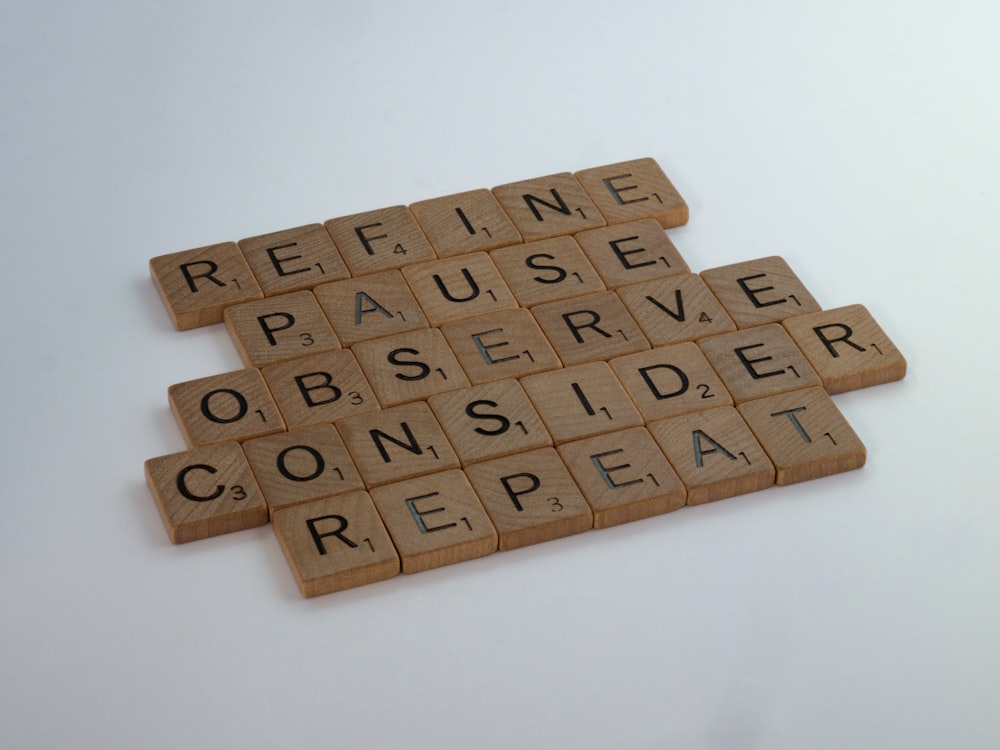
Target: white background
<point>856,139</point>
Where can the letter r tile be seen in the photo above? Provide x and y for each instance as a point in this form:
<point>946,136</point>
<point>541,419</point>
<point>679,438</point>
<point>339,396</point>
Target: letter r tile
<point>197,285</point>
<point>335,543</point>
<point>435,520</point>
<point>205,492</point>
<point>847,347</point>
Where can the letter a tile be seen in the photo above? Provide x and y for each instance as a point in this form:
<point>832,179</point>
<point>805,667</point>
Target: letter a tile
<point>335,543</point>
<point>805,435</point>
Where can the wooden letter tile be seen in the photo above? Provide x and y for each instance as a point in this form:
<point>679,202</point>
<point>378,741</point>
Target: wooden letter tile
<point>760,291</point>
<point>624,476</point>
<point>675,309</point>
<point>410,366</point>
<point>460,287</point>
<point>205,492</point>
<point>847,347</point>
<point>805,435</point>
<point>301,465</point>
<point>490,420</point>
<point>633,252</point>
<point>335,543</point>
<point>715,454</point>
<point>379,240</point>
<point>581,401</point>
<point>435,520</point>
<point>293,259</point>
<point>636,189</point>
<point>278,328</point>
<point>197,285</point>
<point>232,406</point>
<point>502,345</point>
<point>670,380</point>
<point>757,362</point>
<point>397,443</point>
<point>530,498</point>
<point>465,222</point>
<point>548,206</point>
<point>547,270</point>
<point>367,307</point>
<point>322,388</point>
<point>590,328</point>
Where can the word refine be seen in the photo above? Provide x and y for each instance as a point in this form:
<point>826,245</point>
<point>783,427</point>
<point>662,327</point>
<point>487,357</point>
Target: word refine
<point>432,383</point>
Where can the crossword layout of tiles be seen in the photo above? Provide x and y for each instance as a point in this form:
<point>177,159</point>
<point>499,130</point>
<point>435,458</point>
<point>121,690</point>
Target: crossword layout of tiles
<point>432,383</point>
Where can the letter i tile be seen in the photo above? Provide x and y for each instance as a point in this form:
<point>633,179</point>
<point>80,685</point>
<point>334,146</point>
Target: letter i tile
<point>335,543</point>
<point>805,435</point>
<point>435,520</point>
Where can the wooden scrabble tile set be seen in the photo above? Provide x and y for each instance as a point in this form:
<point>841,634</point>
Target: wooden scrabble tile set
<point>493,369</point>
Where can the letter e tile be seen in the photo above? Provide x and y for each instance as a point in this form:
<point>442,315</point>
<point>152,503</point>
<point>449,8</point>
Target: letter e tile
<point>293,259</point>
<point>435,520</point>
<point>630,253</point>
<point>335,543</point>
<point>765,290</point>
<point>205,492</point>
<point>636,189</point>
<point>847,347</point>
<point>624,476</point>
<point>805,435</point>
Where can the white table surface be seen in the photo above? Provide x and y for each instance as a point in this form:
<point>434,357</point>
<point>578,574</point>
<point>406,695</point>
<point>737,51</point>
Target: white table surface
<point>856,139</point>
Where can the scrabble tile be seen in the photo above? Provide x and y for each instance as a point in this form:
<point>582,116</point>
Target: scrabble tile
<point>636,189</point>
<point>460,287</point>
<point>629,253</point>
<point>670,380</point>
<point>379,240</point>
<point>581,401</point>
<point>624,476</point>
<point>754,292</point>
<point>715,454</point>
<point>435,520</point>
<point>370,306</point>
<point>847,347</point>
<point>589,328</point>
<point>335,543</point>
<point>757,362</point>
<point>548,206</point>
<point>278,328</point>
<point>497,346</point>
<point>301,465</point>
<point>397,443</point>
<point>675,309</point>
<point>805,435</point>
<point>409,366</point>
<point>530,498</point>
<point>465,222</point>
<point>322,388</point>
<point>293,259</point>
<point>547,270</point>
<point>197,285</point>
<point>205,492</point>
<point>232,406</point>
<point>489,420</point>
